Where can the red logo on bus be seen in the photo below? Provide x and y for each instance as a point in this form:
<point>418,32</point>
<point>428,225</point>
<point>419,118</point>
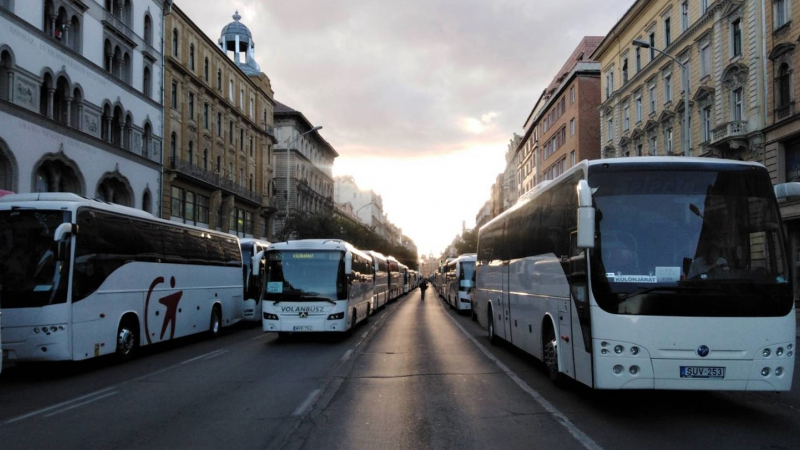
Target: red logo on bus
<point>170,302</point>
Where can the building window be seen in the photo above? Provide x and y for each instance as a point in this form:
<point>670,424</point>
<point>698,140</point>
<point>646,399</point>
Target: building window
<point>703,6</point>
<point>624,70</point>
<point>652,99</point>
<point>219,79</point>
<point>205,116</point>
<point>572,127</point>
<point>252,109</point>
<point>175,42</point>
<point>609,83</point>
<point>668,140</point>
<point>191,56</point>
<point>706,116</point>
<point>653,145</point>
<point>230,90</point>
<point>667,32</point>
<point>572,158</point>
<point>191,106</point>
<point>638,103</point>
<point>251,145</point>
<point>626,118</point>
<point>148,30</point>
<point>241,139</point>
<point>652,45</point>
<point>638,59</point>
<point>571,99</point>
<point>205,69</point>
<point>781,8</point>
<point>736,104</point>
<point>736,37</point>
<point>685,15</point>
<point>705,59</point>
<point>219,124</point>
<point>177,202</point>
<point>190,153</point>
<point>667,88</point>
<point>230,132</point>
<point>610,128</point>
<point>205,159</point>
<point>173,146</point>
<point>146,82</point>
<point>784,96</point>
<point>241,99</point>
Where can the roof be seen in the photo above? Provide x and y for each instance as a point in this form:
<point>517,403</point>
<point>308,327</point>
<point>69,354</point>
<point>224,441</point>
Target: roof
<point>284,110</point>
<point>236,27</point>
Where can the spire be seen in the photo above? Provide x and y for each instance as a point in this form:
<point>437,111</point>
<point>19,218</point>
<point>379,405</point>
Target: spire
<point>236,16</point>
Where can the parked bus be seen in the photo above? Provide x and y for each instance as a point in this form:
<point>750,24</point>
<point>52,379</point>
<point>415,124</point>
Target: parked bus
<point>253,263</point>
<point>404,280</point>
<point>381,269</point>
<point>460,280</point>
<point>645,273</point>
<point>395,278</point>
<point>83,278</point>
<point>316,285</point>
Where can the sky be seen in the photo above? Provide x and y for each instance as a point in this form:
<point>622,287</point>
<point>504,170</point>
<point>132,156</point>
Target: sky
<point>420,98</point>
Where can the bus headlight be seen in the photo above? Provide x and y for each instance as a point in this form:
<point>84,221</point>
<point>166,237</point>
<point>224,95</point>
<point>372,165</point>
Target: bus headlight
<point>336,316</point>
<point>268,316</point>
<point>779,351</point>
<point>618,349</point>
<point>779,371</point>
<point>766,353</point>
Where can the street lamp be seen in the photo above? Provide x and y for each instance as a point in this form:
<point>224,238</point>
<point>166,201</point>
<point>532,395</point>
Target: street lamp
<point>645,44</point>
<point>289,166</point>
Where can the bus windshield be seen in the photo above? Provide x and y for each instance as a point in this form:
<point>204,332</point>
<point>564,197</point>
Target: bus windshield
<point>466,277</point>
<point>294,275</point>
<point>30,276</point>
<point>688,243</point>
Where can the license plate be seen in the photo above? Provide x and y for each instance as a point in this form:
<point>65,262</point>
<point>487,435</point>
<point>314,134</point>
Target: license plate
<point>303,328</point>
<point>702,372</point>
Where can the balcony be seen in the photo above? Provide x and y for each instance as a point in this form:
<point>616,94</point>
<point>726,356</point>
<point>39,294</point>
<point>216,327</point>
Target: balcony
<point>731,130</point>
<point>783,112</point>
<point>199,174</point>
<point>121,29</point>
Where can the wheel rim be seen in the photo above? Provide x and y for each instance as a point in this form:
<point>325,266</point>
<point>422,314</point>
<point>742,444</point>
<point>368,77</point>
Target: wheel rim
<point>125,341</point>
<point>550,357</point>
<point>215,322</point>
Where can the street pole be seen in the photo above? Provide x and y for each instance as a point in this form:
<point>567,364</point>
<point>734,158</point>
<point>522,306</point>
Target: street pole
<point>685,71</point>
<point>289,167</point>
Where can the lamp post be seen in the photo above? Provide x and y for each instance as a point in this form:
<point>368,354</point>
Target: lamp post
<point>685,70</point>
<point>289,166</point>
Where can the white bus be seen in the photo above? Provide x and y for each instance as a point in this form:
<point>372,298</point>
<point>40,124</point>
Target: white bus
<point>609,275</point>
<point>395,278</point>
<point>81,278</point>
<point>316,285</point>
<point>381,280</point>
<point>460,275</point>
<point>404,280</point>
<point>253,263</point>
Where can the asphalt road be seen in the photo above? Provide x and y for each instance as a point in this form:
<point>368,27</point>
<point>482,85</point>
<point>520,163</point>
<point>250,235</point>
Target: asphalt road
<point>415,376</point>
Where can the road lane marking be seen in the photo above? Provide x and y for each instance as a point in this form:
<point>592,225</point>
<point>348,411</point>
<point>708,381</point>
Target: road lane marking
<point>579,435</point>
<point>81,404</point>
<point>309,400</point>
<point>347,355</point>
<point>206,355</point>
<point>50,408</point>
<point>214,355</point>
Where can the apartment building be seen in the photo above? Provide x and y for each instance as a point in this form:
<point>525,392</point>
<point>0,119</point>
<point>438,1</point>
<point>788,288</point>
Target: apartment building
<point>562,127</point>
<point>366,204</point>
<point>80,98</point>
<point>708,50</point>
<point>219,126</point>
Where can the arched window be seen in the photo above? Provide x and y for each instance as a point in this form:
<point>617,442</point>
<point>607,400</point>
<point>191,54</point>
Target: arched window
<point>117,123</point>
<point>147,201</point>
<point>126,69</point>
<point>115,189</point>
<point>191,56</point>
<point>127,135</point>
<point>146,82</point>
<point>49,12</point>
<point>7,169</point>
<point>190,153</point>
<point>76,109</point>
<point>205,69</point>
<point>45,105</point>
<point>6,66</point>
<point>105,131</point>
<point>75,34</point>
<point>175,42</point>
<point>56,176</point>
<point>147,137</point>
<point>61,104</point>
<point>148,29</point>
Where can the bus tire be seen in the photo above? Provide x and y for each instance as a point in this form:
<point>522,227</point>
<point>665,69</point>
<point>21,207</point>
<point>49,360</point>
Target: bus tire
<point>215,324</point>
<point>369,312</point>
<point>550,358</point>
<point>353,321</point>
<point>493,339</point>
<point>127,338</point>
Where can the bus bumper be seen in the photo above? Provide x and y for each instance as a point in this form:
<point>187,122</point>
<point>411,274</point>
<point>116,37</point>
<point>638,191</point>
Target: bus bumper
<point>304,325</point>
<point>26,344</point>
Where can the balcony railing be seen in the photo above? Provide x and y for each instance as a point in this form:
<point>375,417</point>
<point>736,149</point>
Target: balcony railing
<point>733,129</point>
<point>206,176</point>
<point>120,26</point>
<point>783,112</point>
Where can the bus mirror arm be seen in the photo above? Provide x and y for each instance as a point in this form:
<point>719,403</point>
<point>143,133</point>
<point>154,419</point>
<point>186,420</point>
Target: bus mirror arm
<point>61,235</point>
<point>255,263</point>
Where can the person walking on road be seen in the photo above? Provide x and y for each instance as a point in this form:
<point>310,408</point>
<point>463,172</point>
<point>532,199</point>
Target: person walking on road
<point>422,287</point>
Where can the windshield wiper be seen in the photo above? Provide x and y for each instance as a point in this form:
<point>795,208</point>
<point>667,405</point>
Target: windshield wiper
<point>668,289</point>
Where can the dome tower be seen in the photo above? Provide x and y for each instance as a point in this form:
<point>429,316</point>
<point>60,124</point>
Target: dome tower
<point>236,38</point>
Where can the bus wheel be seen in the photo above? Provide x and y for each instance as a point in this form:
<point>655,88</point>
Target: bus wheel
<point>215,325</point>
<point>550,356</point>
<point>369,311</point>
<point>127,339</point>
<point>493,339</point>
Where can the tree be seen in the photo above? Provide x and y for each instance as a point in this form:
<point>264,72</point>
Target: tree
<point>468,243</point>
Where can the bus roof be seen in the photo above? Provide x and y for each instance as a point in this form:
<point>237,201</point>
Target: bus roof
<point>318,244</point>
<point>255,241</point>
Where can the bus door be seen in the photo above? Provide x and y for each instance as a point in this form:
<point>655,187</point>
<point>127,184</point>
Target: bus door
<point>505,303</point>
<point>580,345</point>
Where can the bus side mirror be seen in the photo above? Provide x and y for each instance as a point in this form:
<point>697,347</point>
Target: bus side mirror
<point>61,237</point>
<point>586,216</point>
<point>255,263</point>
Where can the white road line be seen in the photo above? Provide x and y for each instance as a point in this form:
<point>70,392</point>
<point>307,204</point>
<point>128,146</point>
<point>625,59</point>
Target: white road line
<point>214,355</point>
<point>303,406</point>
<point>50,408</point>
<point>260,337</point>
<point>81,404</point>
<point>347,355</point>
<point>203,356</point>
<point>579,435</point>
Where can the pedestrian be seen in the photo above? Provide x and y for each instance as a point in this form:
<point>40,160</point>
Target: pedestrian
<point>422,286</point>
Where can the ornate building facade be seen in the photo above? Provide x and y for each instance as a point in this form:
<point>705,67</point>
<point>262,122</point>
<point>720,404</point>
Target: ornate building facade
<point>80,98</point>
<point>309,159</point>
<point>366,204</point>
<point>219,130</point>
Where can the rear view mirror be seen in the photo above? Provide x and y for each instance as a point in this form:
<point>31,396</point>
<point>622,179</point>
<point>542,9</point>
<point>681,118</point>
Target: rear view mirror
<point>586,216</point>
<point>255,263</point>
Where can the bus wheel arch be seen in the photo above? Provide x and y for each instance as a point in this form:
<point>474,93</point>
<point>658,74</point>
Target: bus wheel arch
<point>550,352</point>
<point>127,340</point>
